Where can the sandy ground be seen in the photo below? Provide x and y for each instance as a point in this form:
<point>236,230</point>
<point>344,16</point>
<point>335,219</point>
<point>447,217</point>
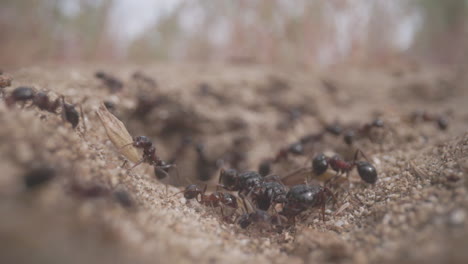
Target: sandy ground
<point>417,211</point>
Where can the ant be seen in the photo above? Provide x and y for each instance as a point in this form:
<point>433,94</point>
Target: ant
<point>215,199</point>
<point>87,190</point>
<point>366,170</point>
<point>42,101</point>
<point>70,114</point>
<point>273,192</point>
<point>161,168</point>
<point>260,218</point>
<point>139,76</point>
<point>441,120</point>
<point>365,131</point>
<point>124,198</point>
<point>264,168</point>
<point>110,81</point>
<point>297,148</point>
<point>303,196</point>
<point>249,182</point>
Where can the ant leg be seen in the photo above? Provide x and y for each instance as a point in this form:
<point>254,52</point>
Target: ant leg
<point>221,173</point>
<point>136,164</point>
<point>356,155</point>
<point>123,164</point>
<point>83,118</point>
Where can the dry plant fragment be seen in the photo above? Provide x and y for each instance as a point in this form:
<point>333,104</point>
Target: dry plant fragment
<point>118,134</point>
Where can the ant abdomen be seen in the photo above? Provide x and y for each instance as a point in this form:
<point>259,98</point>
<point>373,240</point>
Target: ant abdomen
<point>367,172</point>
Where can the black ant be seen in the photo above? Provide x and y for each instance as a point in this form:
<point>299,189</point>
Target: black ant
<point>260,218</point>
<point>303,196</point>
<point>366,170</point>
<point>249,182</point>
<point>273,192</point>
<point>110,81</point>
<point>161,168</point>
<point>139,76</point>
<point>70,114</point>
<point>264,168</point>
<point>297,148</point>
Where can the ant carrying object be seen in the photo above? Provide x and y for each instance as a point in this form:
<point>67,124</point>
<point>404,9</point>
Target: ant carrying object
<point>161,168</point>
<point>366,170</point>
<point>304,196</point>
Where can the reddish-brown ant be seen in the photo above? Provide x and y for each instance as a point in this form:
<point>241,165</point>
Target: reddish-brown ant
<point>215,199</point>
<point>366,170</point>
<point>424,116</point>
<point>161,168</point>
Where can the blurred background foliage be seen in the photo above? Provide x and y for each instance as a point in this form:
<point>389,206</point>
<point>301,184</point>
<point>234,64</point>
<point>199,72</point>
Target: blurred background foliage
<point>303,32</point>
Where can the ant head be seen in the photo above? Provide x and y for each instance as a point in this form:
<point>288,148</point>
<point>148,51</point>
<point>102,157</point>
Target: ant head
<point>265,167</point>
<point>192,191</point>
<point>296,148</point>
<point>349,137</point>
<point>141,141</point>
<point>367,171</point>
<point>319,164</point>
<point>334,129</point>
<point>228,177</point>
<point>378,122</point>
<point>442,122</point>
<point>229,200</point>
<point>244,221</point>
